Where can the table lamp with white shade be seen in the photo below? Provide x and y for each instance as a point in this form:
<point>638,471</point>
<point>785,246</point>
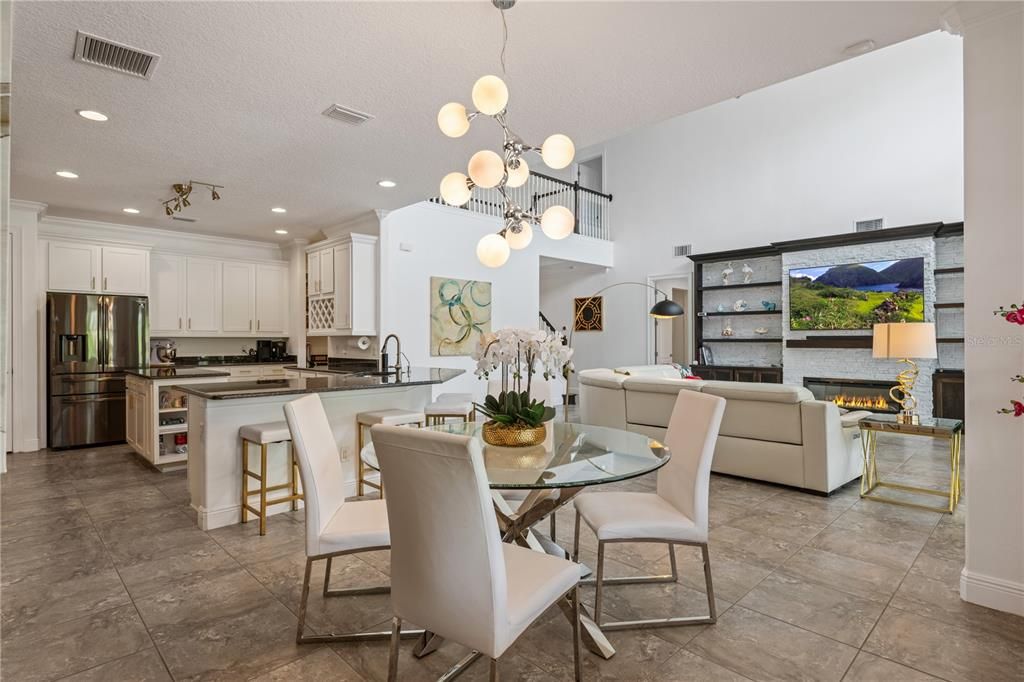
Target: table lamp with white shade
<point>904,341</point>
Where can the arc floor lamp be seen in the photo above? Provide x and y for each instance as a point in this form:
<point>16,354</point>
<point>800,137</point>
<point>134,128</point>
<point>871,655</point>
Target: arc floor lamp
<point>664,309</point>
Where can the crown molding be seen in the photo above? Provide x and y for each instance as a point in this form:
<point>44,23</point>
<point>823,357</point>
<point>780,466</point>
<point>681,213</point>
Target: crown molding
<point>964,16</point>
<point>133,233</point>
<point>368,221</point>
<point>34,206</point>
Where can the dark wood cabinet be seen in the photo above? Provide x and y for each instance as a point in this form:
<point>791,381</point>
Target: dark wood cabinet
<point>758,375</point>
<point>948,393</point>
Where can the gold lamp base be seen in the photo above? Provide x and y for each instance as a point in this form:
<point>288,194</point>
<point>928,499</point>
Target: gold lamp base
<point>908,417</point>
<point>903,393</point>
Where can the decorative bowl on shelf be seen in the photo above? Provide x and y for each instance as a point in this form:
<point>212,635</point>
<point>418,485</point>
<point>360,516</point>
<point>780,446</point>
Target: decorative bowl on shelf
<point>761,331</point>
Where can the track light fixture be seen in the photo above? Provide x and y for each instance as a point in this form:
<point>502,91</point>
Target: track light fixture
<point>182,192</point>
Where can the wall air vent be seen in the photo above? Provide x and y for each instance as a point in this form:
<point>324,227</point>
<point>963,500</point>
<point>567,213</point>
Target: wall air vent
<point>184,219</point>
<point>682,250</point>
<point>346,115</point>
<point>90,49</point>
<point>869,225</point>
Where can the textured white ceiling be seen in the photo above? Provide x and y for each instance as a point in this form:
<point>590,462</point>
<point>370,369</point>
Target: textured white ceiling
<point>237,95</point>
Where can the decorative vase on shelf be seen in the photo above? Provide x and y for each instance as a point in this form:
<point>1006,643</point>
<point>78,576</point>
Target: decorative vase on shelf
<point>726,272</point>
<point>514,417</point>
<point>748,273</point>
<point>727,329</point>
<point>739,306</point>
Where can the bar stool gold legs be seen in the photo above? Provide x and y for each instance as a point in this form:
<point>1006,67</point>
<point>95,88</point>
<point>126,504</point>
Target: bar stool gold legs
<point>292,485</point>
<point>391,417</point>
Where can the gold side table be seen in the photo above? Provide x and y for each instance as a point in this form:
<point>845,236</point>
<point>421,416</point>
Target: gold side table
<point>948,429</point>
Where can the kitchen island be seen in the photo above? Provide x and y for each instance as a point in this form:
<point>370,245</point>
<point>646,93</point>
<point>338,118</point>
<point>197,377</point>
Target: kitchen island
<point>217,410</point>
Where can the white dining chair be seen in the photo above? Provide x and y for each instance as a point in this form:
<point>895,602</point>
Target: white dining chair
<point>450,572</point>
<point>334,527</point>
<point>677,514</point>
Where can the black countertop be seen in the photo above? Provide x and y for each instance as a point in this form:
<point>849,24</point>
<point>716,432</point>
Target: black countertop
<point>176,373</point>
<point>214,360</point>
<point>234,390</point>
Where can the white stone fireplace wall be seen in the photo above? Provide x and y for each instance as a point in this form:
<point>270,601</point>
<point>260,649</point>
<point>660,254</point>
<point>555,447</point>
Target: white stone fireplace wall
<point>856,363</point>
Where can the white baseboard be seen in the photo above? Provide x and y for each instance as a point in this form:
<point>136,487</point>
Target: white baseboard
<point>27,445</point>
<point>995,593</point>
<point>208,519</point>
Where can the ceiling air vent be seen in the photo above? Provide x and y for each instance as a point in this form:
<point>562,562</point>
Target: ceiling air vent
<point>869,225</point>
<point>682,250</point>
<point>346,115</point>
<point>97,51</point>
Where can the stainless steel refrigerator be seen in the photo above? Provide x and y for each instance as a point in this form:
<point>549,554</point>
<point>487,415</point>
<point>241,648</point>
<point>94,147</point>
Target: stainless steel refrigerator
<point>91,341</point>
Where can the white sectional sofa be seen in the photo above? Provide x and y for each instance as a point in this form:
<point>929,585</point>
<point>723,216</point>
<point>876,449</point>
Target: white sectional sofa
<point>770,432</point>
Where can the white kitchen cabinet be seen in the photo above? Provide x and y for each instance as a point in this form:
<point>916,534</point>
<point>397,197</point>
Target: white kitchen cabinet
<point>167,311</point>
<point>92,268</point>
<point>355,286</point>
<point>238,297</point>
<point>271,295</point>
<point>125,270</point>
<point>202,295</point>
<point>74,266</point>
<point>320,272</point>
<point>312,272</point>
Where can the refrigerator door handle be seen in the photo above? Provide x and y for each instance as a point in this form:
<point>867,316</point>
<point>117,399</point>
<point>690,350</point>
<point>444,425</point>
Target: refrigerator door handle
<point>92,398</point>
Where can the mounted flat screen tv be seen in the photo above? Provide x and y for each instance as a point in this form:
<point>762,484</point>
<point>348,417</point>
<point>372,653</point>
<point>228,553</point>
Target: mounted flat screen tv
<point>857,295</point>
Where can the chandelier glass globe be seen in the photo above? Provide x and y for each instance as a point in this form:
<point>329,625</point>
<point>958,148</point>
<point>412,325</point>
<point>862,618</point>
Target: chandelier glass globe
<point>492,250</point>
<point>452,120</point>
<point>490,95</point>
<point>455,189</point>
<point>521,239</point>
<point>486,168</point>
<point>517,177</point>
<point>557,151</point>
<point>557,222</point>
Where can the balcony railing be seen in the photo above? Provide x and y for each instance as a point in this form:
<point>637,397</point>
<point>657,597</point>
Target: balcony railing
<point>543,191</point>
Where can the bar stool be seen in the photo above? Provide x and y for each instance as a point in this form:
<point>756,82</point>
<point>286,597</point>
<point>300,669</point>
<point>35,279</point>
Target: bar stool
<point>391,417</point>
<point>450,406</point>
<point>268,433</point>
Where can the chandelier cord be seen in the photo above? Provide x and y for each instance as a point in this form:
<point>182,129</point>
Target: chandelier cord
<point>504,41</point>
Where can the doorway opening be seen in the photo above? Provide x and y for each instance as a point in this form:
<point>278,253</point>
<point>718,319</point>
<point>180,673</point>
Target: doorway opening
<point>671,340</point>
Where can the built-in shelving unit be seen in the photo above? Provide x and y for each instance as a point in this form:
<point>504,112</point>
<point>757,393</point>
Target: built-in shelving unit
<point>745,339</point>
<point>741,312</point>
<point>742,285</point>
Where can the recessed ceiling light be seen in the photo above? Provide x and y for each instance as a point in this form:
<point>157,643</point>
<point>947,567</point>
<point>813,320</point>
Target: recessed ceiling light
<point>387,183</point>
<point>91,115</point>
<point>280,231</point>
<point>130,210</point>
<point>67,174</point>
<point>278,209</point>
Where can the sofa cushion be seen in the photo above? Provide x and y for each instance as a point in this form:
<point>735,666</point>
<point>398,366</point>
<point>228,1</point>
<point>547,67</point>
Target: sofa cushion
<point>653,384</point>
<point>605,378</point>
<point>650,400</point>
<point>667,371</point>
<point>772,393</point>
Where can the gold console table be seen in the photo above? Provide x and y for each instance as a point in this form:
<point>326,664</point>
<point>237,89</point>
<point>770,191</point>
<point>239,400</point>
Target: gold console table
<point>947,429</point>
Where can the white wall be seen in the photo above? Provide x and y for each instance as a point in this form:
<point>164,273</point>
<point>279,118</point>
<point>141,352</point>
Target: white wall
<point>875,136</point>
<point>994,249</point>
<point>441,242</point>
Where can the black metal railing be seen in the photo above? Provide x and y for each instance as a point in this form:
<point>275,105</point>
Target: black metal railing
<point>539,193</point>
<point>546,322</point>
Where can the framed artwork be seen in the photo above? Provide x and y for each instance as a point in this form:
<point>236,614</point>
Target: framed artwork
<point>460,312</point>
<point>589,314</point>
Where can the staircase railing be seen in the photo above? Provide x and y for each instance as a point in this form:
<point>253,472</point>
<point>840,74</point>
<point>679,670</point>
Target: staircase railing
<point>546,322</point>
<point>539,193</point>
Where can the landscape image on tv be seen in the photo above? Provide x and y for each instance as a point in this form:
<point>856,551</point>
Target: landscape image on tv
<point>858,295</point>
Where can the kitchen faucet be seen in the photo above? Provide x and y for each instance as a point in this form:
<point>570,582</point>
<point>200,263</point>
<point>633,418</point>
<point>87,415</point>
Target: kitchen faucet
<point>384,354</point>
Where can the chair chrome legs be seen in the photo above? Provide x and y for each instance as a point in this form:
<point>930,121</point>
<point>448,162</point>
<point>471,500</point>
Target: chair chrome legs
<point>600,582</point>
<point>302,638</point>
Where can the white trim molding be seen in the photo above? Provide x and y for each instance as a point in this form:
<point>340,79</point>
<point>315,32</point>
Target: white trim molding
<point>995,593</point>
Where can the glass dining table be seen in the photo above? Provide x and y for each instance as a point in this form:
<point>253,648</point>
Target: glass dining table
<point>530,483</point>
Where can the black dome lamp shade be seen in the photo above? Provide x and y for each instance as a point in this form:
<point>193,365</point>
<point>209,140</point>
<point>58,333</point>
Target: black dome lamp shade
<point>666,309</point>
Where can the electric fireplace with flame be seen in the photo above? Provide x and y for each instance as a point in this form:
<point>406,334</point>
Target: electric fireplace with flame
<point>854,394</point>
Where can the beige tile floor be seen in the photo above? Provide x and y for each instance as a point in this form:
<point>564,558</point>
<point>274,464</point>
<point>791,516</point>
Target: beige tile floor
<point>106,577</point>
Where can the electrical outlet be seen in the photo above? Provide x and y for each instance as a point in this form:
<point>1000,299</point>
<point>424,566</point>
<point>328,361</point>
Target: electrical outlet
<point>346,454</point>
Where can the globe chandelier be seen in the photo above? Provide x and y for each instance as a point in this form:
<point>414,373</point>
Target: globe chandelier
<point>489,170</point>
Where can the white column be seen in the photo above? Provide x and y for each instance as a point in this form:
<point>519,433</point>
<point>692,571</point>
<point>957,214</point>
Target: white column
<point>994,252</point>
<point>296,252</point>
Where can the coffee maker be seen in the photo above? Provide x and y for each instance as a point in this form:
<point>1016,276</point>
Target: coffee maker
<point>278,350</point>
<point>263,352</point>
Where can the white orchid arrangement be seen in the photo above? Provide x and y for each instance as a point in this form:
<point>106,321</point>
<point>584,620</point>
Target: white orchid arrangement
<point>518,354</point>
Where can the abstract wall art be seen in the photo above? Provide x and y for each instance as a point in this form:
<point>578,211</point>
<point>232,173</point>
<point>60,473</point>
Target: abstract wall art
<point>460,312</point>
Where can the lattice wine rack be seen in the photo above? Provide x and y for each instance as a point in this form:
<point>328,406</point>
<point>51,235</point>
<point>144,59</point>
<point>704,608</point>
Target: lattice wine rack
<point>321,314</point>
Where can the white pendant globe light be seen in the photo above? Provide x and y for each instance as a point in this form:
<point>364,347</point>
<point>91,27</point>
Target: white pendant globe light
<point>490,95</point>
<point>517,177</point>
<point>521,239</point>
<point>492,250</point>
<point>452,120</point>
<point>557,222</point>
<point>558,151</point>
<point>486,168</point>
<point>455,189</point>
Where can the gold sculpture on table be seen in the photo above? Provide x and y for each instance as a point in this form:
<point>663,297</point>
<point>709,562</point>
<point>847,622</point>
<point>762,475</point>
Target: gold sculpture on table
<point>902,341</point>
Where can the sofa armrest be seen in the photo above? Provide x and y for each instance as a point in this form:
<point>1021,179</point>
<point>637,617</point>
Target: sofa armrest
<point>831,453</point>
<point>602,398</point>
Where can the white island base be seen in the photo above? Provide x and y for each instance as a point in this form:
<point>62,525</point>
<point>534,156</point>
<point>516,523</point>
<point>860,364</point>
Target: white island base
<point>215,450</point>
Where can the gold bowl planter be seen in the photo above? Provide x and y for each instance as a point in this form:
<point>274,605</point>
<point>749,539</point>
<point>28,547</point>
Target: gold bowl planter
<point>513,436</point>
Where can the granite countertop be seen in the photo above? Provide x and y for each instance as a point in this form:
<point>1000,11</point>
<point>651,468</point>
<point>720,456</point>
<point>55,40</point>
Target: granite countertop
<point>326,369</point>
<point>214,360</point>
<point>176,373</point>
<point>235,390</point>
